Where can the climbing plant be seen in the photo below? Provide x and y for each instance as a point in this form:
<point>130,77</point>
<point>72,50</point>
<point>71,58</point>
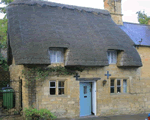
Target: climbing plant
<point>40,73</point>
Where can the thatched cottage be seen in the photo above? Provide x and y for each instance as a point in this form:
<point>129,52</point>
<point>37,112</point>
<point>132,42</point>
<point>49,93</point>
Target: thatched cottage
<point>46,34</point>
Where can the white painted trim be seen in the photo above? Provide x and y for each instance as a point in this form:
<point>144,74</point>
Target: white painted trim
<point>93,95</point>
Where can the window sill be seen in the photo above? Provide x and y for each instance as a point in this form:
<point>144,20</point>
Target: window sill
<point>119,93</point>
<point>57,96</point>
<point>56,64</point>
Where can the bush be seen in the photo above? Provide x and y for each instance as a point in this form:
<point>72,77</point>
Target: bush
<point>42,114</point>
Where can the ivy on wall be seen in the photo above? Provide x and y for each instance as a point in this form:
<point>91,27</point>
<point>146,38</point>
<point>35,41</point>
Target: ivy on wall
<point>40,73</point>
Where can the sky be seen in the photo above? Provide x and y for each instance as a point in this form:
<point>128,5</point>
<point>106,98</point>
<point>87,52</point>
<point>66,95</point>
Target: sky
<point>129,7</point>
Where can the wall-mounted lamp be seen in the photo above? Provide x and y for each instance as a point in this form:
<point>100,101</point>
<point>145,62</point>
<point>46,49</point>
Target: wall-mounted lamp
<point>104,82</point>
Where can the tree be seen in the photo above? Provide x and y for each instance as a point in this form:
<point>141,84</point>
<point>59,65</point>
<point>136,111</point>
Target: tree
<point>142,17</point>
<point>3,34</point>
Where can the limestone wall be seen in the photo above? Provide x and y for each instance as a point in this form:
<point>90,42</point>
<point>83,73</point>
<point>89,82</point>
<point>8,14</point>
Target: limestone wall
<point>16,77</point>
<point>133,102</point>
<point>136,100</point>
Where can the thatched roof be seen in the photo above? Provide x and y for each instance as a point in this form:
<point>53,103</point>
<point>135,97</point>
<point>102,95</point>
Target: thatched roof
<point>34,26</point>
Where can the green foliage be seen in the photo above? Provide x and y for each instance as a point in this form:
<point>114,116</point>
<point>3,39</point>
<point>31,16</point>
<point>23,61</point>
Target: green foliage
<point>142,17</point>
<point>3,34</point>
<point>6,1</point>
<point>40,73</point>
<point>38,114</point>
<point>16,112</point>
<point>3,63</point>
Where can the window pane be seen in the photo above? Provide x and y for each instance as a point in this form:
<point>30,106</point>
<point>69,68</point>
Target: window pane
<point>61,91</point>
<point>112,56</point>
<point>58,56</point>
<point>53,56</point>
<point>115,56</point>
<point>118,83</point>
<point>108,55</point>
<point>124,86</point>
<point>112,90</point>
<point>52,84</point>
<point>62,56</point>
<point>118,89</point>
<point>52,91</point>
<point>85,89</point>
<point>112,83</point>
<point>61,84</point>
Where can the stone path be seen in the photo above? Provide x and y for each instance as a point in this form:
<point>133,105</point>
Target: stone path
<point>119,117</point>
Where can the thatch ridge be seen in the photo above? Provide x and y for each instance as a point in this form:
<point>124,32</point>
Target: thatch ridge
<point>62,6</point>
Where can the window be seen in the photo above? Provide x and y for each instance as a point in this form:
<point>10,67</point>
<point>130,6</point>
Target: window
<point>112,86</point>
<point>56,55</point>
<point>60,87</point>
<point>112,56</point>
<point>124,86</point>
<point>52,88</point>
<point>118,86</point>
<point>57,90</point>
<point>85,89</point>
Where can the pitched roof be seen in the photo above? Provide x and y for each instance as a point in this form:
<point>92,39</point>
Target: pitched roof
<point>137,32</point>
<point>34,26</point>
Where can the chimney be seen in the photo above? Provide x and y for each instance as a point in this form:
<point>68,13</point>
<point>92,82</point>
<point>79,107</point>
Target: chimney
<point>115,9</point>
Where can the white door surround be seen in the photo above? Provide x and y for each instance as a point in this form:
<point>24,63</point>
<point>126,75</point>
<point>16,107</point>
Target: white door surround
<point>93,95</point>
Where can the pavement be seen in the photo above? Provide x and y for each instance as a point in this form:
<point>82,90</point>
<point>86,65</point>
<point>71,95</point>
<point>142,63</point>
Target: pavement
<point>117,117</point>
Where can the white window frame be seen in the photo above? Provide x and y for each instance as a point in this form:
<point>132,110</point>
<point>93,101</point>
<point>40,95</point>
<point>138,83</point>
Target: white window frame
<point>112,86</point>
<point>52,87</point>
<point>61,87</point>
<point>57,50</point>
<point>112,56</point>
<point>125,86</point>
<point>121,86</point>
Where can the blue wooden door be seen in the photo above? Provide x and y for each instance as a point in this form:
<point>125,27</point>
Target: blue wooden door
<point>85,98</point>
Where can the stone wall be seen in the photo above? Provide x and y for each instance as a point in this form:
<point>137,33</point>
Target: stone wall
<point>133,102</point>
<point>16,79</point>
<point>136,100</point>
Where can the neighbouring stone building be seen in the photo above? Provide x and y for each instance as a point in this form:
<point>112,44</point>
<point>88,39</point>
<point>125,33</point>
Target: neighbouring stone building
<point>115,79</point>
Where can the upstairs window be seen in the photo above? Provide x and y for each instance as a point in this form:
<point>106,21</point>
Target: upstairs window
<point>56,55</point>
<point>112,56</point>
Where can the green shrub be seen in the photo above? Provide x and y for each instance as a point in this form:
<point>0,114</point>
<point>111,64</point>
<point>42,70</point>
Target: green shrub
<point>42,114</point>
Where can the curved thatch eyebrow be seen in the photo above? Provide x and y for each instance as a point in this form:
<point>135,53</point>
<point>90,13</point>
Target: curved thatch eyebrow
<point>34,27</point>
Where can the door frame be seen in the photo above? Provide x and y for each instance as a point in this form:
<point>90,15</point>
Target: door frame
<point>93,96</point>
